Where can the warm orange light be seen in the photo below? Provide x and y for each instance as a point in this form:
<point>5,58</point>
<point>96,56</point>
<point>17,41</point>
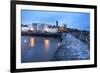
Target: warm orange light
<point>32,41</point>
<point>47,43</point>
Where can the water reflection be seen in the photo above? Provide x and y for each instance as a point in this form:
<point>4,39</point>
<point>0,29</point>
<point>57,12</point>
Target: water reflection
<point>32,41</point>
<point>25,41</point>
<point>46,44</point>
<point>42,48</point>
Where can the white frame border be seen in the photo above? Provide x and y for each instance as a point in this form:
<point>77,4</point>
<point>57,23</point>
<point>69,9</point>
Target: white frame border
<point>20,65</point>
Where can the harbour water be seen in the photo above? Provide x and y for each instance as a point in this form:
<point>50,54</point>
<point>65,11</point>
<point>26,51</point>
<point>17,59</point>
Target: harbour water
<point>38,48</point>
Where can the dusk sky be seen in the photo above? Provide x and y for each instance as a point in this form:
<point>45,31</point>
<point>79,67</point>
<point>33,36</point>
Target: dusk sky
<point>72,19</point>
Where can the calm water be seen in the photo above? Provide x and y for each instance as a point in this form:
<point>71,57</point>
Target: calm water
<point>38,49</point>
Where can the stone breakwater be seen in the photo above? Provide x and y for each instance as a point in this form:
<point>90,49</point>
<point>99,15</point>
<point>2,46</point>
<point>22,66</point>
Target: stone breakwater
<point>84,36</point>
<point>73,47</point>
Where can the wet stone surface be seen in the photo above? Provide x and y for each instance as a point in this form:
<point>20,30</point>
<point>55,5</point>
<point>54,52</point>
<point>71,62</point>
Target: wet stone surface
<point>72,48</point>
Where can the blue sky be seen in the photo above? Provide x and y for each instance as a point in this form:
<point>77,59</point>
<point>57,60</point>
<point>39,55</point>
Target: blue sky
<point>72,19</point>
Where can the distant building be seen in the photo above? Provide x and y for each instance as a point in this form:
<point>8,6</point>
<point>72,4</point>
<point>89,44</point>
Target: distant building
<point>52,29</point>
<point>31,27</point>
<point>63,28</point>
<point>34,25</point>
<point>42,27</point>
<point>65,25</point>
<point>56,23</point>
<point>39,26</point>
<point>24,28</point>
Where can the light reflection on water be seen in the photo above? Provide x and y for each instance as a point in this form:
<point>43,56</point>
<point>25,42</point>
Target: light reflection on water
<point>32,41</point>
<point>38,49</point>
<point>47,44</point>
